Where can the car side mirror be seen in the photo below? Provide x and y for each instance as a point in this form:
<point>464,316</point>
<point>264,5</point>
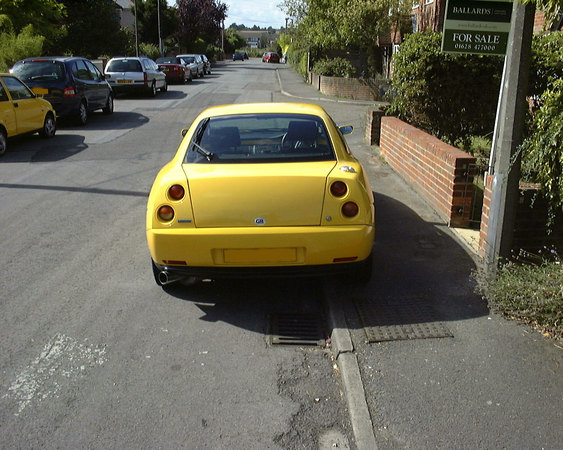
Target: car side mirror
<point>346,129</point>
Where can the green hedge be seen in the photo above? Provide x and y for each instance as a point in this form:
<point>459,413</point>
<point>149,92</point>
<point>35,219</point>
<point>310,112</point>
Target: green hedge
<point>334,67</point>
<point>450,96</point>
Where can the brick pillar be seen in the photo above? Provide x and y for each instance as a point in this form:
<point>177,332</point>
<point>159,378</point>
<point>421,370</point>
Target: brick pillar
<point>373,126</point>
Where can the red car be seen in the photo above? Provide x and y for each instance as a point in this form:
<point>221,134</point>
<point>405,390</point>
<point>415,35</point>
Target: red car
<point>271,57</point>
<point>175,69</point>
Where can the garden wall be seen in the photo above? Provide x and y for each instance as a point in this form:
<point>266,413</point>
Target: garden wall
<point>439,172</point>
<point>353,88</point>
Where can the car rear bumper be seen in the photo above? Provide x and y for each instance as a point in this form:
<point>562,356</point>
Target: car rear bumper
<point>137,86</point>
<point>270,250</point>
<point>64,106</point>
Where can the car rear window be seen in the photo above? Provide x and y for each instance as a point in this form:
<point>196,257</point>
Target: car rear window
<point>168,61</point>
<point>260,138</point>
<point>39,70</point>
<point>124,65</point>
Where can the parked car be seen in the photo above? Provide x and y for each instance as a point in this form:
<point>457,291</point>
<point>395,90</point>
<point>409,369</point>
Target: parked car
<point>73,85</point>
<point>21,111</point>
<point>238,56</point>
<point>175,69</point>
<point>264,189</point>
<point>196,63</point>
<point>206,64</point>
<point>271,57</point>
<point>135,74</point>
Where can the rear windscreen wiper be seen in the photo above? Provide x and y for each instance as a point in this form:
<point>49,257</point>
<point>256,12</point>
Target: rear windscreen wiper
<point>203,152</point>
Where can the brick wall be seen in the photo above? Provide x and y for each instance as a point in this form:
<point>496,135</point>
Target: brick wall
<point>439,172</point>
<point>353,88</point>
<point>485,214</point>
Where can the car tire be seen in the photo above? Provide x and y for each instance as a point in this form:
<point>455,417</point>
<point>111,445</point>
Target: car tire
<point>108,109</point>
<point>362,274</point>
<point>3,142</point>
<point>49,126</point>
<point>152,91</point>
<point>82,117</point>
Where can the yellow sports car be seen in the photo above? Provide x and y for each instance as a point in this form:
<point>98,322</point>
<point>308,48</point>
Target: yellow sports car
<point>259,190</point>
<point>22,112</point>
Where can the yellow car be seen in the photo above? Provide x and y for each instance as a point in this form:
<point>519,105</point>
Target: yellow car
<point>260,190</point>
<point>22,112</point>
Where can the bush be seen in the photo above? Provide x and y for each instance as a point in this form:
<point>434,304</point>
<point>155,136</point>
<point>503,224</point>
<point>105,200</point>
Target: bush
<point>334,67</point>
<point>529,293</point>
<point>14,47</point>
<point>547,62</point>
<point>450,96</point>
<point>542,160</point>
<point>149,50</point>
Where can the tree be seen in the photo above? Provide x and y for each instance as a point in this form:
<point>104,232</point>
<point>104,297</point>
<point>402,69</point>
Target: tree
<point>200,19</point>
<point>147,19</point>
<point>344,24</point>
<point>46,17</point>
<point>93,29</point>
<point>233,40</point>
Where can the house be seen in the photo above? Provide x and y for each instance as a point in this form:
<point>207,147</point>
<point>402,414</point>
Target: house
<point>125,13</point>
<point>259,39</point>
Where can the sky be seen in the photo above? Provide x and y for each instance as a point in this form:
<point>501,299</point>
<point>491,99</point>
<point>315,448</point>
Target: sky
<point>263,13</point>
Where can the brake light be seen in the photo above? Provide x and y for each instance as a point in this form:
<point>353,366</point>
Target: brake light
<point>166,213</point>
<point>338,189</point>
<point>145,77</point>
<point>350,209</point>
<point>69,92</point>
<point>176,192</point>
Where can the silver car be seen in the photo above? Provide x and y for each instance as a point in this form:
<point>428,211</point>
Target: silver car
<point>196,64</point>
<point>135,74</point>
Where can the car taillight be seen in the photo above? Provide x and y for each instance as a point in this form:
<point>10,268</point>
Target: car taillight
<point>338,189</point>
<point>69,92</point>
<point>145,77</point>
<point>350,209</point>
<point>166,213</point>
<point>176,192</point>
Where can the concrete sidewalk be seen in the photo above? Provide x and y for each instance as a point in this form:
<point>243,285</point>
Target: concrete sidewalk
<point>494,384</point>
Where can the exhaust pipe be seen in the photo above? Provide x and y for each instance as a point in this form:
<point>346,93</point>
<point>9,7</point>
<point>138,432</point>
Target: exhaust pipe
<point>165,277</point>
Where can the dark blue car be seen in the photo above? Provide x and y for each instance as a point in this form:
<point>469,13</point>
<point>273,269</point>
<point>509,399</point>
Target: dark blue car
<point>73,85</point>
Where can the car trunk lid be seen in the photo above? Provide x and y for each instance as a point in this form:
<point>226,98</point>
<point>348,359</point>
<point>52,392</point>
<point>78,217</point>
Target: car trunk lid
<point>270,195</point>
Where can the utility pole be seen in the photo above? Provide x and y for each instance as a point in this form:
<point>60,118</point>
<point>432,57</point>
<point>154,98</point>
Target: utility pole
<point>160,49</point>
<point>505,161</point>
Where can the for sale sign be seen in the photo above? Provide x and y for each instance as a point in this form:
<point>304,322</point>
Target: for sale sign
<point>477,26</point>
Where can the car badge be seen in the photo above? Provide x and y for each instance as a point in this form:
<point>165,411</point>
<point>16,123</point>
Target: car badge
<point>260,221</point>
<point>348,169</point>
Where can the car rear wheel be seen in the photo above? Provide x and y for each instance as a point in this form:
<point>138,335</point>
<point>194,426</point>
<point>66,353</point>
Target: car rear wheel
<point>82,116</point>
<point>152,91</point>
<point>362,274</point>
<point>3,142</point>
<point>49,126</point>
<point>108,109</point>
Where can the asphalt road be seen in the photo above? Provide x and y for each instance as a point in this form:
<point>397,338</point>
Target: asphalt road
<point>93,353</point>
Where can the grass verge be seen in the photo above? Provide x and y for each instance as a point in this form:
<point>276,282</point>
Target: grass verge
<point>530,293</point>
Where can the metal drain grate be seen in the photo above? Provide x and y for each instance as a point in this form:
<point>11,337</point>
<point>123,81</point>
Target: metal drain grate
<point>296,329</point>
<point>400,319</point>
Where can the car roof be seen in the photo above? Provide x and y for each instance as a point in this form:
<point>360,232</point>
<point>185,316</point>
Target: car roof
<point>265,108</point>
<point>52,58</point>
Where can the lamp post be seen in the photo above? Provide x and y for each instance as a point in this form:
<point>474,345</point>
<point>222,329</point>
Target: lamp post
<point>136,32</point>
